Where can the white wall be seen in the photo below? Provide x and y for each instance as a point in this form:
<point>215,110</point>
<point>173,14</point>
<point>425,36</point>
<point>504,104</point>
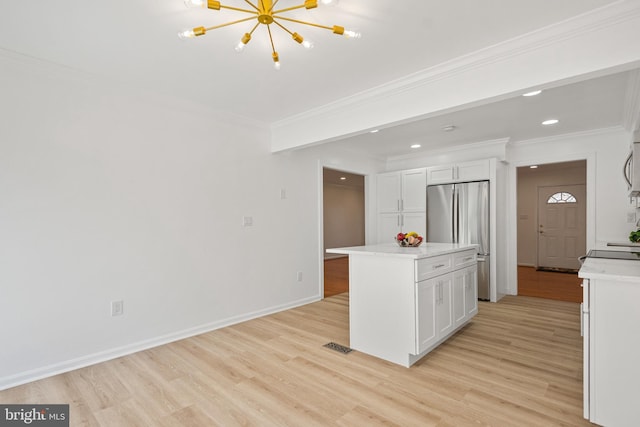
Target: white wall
<point>344,217</point>
<point>109,194</point>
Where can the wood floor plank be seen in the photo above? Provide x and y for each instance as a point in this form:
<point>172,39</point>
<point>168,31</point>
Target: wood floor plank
<point>518,362</point>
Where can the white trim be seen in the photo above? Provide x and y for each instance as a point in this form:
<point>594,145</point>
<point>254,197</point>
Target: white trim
<point>326,164</point>
<point>91,359</point>
<point>482,145</point>
<point>567,136</point>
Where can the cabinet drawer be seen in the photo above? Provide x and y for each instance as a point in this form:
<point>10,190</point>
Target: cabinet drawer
<point>431,267</point>
<point>465,258</point>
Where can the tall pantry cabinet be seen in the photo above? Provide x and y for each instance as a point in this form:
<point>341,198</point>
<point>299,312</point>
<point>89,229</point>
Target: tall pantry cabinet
<point>401,203</point>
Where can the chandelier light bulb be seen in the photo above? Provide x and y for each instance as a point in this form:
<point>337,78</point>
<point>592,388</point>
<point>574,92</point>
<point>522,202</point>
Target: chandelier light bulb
<point>276,60</point>
<point>352,34</point>
<point>308,44</point>
<point>329,2</point>
<point>243,42</point>
<point>186,34</point>
<point>195,3</point>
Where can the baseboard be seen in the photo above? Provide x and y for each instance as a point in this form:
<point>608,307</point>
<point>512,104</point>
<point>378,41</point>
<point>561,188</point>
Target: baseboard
<point>103,356</point>
<point>524,264</point>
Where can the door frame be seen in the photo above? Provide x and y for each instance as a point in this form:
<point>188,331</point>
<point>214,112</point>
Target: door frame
<point>367,211</point>
<point>512,208</point>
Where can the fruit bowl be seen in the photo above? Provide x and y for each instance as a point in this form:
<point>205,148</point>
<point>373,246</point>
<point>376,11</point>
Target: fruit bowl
<point>410,239</point>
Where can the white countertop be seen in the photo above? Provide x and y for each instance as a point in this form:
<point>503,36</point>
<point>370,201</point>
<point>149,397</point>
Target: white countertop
<point>610,269</point>
<point>425,250</point>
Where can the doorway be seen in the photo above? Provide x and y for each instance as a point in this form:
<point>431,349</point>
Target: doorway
<point>343,224</point>
<point>551,229</point>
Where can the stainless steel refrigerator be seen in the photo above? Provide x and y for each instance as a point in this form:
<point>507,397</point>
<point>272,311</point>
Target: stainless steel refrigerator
<point>459,213</point>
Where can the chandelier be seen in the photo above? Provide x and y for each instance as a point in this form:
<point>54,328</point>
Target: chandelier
<point>265,13</point>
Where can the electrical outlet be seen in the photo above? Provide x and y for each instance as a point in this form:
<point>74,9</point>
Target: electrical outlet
<point>631,217</point>
<point>247,221</point>
<point>299,276</point>
<point>283,193</point>
<point>117,308</point>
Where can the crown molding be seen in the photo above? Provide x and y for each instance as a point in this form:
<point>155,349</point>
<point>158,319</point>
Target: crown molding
<point>501,143</point>
<point>580,26</point>
<point>588,22</point>
<point>568,136</point>
<point>43,68</point>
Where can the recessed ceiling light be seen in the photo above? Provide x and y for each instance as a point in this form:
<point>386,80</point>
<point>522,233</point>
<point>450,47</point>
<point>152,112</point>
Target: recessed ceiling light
<point>550,122</point>
<point>532,93</point>
<point>533,167</point>
<point>416,146</point>
<point>374,131</point>
<point>448,128</point>
<point>343,178</point>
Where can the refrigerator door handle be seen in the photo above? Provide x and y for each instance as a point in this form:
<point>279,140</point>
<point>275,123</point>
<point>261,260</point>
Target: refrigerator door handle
<point>457,215</point>
<point>454,216</point>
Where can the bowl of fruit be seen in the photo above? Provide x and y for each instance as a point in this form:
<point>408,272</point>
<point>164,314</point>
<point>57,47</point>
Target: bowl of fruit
<point>410,239</point>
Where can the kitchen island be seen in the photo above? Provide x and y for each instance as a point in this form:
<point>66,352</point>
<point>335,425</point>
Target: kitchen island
<point>405,301</point>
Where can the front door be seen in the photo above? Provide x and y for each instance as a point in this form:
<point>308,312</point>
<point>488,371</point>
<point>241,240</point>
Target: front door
<point>561,226</point>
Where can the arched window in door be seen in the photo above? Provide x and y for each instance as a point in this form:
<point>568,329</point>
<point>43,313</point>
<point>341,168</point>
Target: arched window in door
<point>562,197</point>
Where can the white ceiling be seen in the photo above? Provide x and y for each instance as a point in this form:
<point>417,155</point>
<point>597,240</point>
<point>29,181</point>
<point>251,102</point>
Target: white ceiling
<point>135,43</point>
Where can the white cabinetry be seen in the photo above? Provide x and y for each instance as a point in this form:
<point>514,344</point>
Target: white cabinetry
<point>460,172</point>
<point>610,319</point>
<point>401,300</point>
<point>401,203</point>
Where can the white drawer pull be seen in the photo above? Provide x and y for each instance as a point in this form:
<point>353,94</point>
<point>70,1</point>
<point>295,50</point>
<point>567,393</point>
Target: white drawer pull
<point>438,266</point>
<point>469,258</point>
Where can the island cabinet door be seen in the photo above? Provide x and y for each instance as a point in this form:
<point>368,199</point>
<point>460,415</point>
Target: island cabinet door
<point>427,293</point>
<point>459,298</point>
<point>444,305</point>
<point>434,310</point>
<point>470,291</point>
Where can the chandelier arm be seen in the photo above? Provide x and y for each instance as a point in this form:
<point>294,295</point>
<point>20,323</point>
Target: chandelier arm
<point>254,28</point>
<point>288,9</point>
<point>230,23</point>
<point>273,47</point>
<point>303,22</point>
<point>251,4</point>
<point>283,27</point>
<point>238,9</point>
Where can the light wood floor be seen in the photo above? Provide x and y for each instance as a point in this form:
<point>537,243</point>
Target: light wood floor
<point>518,363</point>
<point>552,285</point>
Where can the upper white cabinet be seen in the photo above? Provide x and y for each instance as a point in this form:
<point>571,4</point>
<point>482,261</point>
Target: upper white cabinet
<point>403,191</point>
<point>460,172</point>
<point>401,203</point>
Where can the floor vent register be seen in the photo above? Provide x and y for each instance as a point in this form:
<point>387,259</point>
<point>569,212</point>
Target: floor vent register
<point>337,347</point>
